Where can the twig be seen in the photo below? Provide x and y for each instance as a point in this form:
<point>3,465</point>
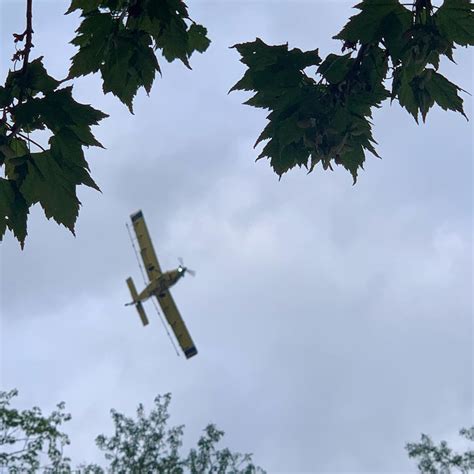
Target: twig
<point>29,33</point>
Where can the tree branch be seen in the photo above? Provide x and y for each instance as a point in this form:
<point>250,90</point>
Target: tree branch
<point>29,33</point>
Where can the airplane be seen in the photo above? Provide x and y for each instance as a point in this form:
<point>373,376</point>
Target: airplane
<point>158,286</point>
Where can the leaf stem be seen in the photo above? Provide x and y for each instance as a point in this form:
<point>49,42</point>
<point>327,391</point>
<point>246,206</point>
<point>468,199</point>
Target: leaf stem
<point>30,140</point>
<point>15,132</point>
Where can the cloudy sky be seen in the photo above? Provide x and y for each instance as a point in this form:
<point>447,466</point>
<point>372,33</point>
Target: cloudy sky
<point>333,323</point>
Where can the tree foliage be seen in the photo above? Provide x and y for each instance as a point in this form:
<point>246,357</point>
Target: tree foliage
<point>390,50</point>
<point>146,444</point>
<point>327,118</point>
<point>27,438</point>
<point>141,444</point>
<point>120,39</point>
<point>441,459</point>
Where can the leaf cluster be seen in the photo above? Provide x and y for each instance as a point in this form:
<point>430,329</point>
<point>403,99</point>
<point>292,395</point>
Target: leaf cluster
<point>119,38</point>
<point>27,435</point>
<point>325,117</point>
<point>310,121</point>
<point>140,444</point>
<point>433,459</point>
<point>145,444</point>
<point>32,101</point>
<point>207,458</point>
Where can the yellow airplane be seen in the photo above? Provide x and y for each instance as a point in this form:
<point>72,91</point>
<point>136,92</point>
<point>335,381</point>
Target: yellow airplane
<point>158,286</point>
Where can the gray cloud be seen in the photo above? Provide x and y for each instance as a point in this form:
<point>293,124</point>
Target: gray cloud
<point>334,323</point>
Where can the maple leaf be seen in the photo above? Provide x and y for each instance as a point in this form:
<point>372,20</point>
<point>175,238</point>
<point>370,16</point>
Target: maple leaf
<point>395,27</point>
<point>5,97</point>
<point>129,65</point>
<point>93,39</point>
<point>444,92</point>
<point>34,79</point>
<point>13,210</point>
<point>335,68</point>
<point>455,20</point>
<point>378,18</point>
<point>419,93</point>
<point>68,152</point>
<point>49,184</point>
<point>197,39</point>
<point>85,5</point>
<point>57,109</point>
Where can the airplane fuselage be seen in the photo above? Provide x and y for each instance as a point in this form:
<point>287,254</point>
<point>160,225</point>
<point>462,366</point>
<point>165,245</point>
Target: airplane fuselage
<point>159,285</point>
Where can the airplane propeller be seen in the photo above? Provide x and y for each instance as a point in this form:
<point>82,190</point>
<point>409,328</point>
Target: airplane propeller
<point>184,269</point>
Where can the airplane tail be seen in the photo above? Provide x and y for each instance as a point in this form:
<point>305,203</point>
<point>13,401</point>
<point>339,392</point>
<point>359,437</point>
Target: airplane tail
<point>138,304</point>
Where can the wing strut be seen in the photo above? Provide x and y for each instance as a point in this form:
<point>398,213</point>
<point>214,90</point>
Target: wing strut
<point>155,304</point>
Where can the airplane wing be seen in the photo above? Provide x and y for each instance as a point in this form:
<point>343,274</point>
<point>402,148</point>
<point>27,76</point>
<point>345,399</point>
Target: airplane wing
<point>147,251</point>
<point>176,322</point>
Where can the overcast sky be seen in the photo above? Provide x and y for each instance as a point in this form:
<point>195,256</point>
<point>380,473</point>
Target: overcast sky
<point>333,322</point>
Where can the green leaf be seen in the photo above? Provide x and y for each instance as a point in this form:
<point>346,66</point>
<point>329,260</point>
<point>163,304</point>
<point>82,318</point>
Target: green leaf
<point>65,144</point>
<point>352,160</point>
<point>394,31</point>
<point>368,26</point>
<point>125,58</point>
<point>33,80</point>
<point>5,97</point>
<point>403,91</point>
<point>455,20</point>
<point>284,158</point>
<point>173,41</point>
<point>425,46</point>
<point>37,78</point>
<point>15,152</point>
<point>197,39</point>
<point>94,37</point>
<point>419,94</point>
<point>56,110</point>
<point>130,64</point>
<point>259,56</point>
<point>13,210</point>
<point>51,185</point>
<point>335,68</point>
<point>68,152</point>
<point>86,5</point>
<point>369,79</point>
<point>288,131</point>
<point>78,175</point>
<point>80,115</point>
<point>444,93</point>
